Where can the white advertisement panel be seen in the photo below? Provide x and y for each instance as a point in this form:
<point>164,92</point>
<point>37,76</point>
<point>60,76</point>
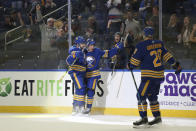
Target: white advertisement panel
<point>43,88</point>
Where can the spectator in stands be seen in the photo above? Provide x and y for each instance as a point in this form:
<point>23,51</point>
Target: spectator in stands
<point>8,25</point>
<point>132,26</point>
<point>48,37</point>
<point>65,28</point>
<point>193,34</point>
<point>193,42</point>
<point>58,24</point>
<point>132,5</point>
<point>49,6</point>
<point>76,25</point>
<point>89,33</point>
<point>92,24</point>
<point>62,45</point>
<point>155,21</point>
<point>145,9</point>
<point>185,33</point>
<point>48,32</point>
<point>114,16</point>
<point>193,7</point>
<point>99,11</point>
<point>17,5</point>
<point>15,18</point>
<point>172,30</point>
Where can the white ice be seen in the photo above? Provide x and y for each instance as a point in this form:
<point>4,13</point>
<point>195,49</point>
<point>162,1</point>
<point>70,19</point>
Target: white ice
<point>60,122</point>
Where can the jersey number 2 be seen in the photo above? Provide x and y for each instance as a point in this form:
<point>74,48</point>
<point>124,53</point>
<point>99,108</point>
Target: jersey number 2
<point>157,54</point>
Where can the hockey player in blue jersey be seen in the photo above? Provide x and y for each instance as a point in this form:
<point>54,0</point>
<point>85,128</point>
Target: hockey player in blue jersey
<point>150,55</point>
<point>77,66</point>
<point>93,56</point>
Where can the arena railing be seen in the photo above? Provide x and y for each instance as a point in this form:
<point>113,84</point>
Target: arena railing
<point>20,27</point>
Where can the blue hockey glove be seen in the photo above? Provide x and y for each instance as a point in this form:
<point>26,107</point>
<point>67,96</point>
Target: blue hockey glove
<point>129,67</point>
<point>85,51</point>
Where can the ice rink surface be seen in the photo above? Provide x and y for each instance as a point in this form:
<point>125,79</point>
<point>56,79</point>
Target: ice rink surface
<point>60,122</point>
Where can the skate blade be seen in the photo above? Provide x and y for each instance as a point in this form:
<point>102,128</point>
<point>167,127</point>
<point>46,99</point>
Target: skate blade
<point>143,126</point>
<point>82,115</point>
<point>74,113</point>
<point>154,125</point>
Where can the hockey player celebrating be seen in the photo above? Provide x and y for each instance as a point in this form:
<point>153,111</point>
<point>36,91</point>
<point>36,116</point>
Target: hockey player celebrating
<point>76,62</point>
<point>93,56</point>
<point>149,55</point>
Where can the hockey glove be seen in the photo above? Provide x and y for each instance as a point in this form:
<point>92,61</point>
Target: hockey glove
<point>129,67</point>
<point>112,65</point>
<point>85,51</point>
<point>177,67</point>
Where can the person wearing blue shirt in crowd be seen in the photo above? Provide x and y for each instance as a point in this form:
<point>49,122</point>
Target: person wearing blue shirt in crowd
<point>76,62</point>
<point>145,9</point>
<point>150,55</point>
<point>93,56</point>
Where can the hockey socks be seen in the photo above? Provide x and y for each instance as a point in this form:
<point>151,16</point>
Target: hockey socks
<point>154,106</point>
<point>142,108</point>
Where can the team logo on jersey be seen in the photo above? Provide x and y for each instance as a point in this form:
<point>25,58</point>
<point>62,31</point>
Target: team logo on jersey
<point>90,61</point>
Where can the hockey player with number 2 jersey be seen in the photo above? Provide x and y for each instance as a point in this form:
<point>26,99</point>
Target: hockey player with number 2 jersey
<point>93,56</point>
<point>77,66</point>
<point>150,55</point>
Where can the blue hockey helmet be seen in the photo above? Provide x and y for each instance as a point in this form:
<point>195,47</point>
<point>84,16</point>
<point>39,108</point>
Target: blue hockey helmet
<point>79,40</point>
<point>90,42</point>
<point>148,31</point>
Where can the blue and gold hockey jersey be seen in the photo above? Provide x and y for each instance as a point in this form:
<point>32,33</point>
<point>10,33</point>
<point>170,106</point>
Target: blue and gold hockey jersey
<point>93,59</point>
<point>76,60</point>
<point>150,56</point>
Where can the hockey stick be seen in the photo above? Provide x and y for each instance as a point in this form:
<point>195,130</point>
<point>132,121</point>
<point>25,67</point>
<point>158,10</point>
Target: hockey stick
<point>61,78</point>
<point>120,84</point>
<point>139,97</point>
<point>123,71</point>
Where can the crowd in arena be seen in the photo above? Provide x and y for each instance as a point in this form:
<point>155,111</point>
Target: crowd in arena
<point>100,20</point>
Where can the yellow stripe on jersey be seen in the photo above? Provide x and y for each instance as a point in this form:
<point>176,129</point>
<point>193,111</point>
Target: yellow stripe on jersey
<point>78,68</point>
<point>153,74</point>
<point>94,84</point>
<point>167,56</point>
<point>106,54</point>
<point>134,61</point>
<point>77,81</point>
<point>74,54</point>
<point>93,74</point>
<point>145,87</point>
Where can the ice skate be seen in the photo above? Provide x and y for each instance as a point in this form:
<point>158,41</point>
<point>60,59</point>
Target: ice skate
<point>155,121</point>
<point>86,111</point>
<point>75,110</point>
<point>142,123</point>
<point>80,111</point>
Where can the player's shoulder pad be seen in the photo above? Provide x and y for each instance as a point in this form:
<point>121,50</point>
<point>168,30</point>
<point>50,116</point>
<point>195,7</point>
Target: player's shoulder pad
<point>140,44</point>
<point>97,49</point>
<point>74,49</point>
